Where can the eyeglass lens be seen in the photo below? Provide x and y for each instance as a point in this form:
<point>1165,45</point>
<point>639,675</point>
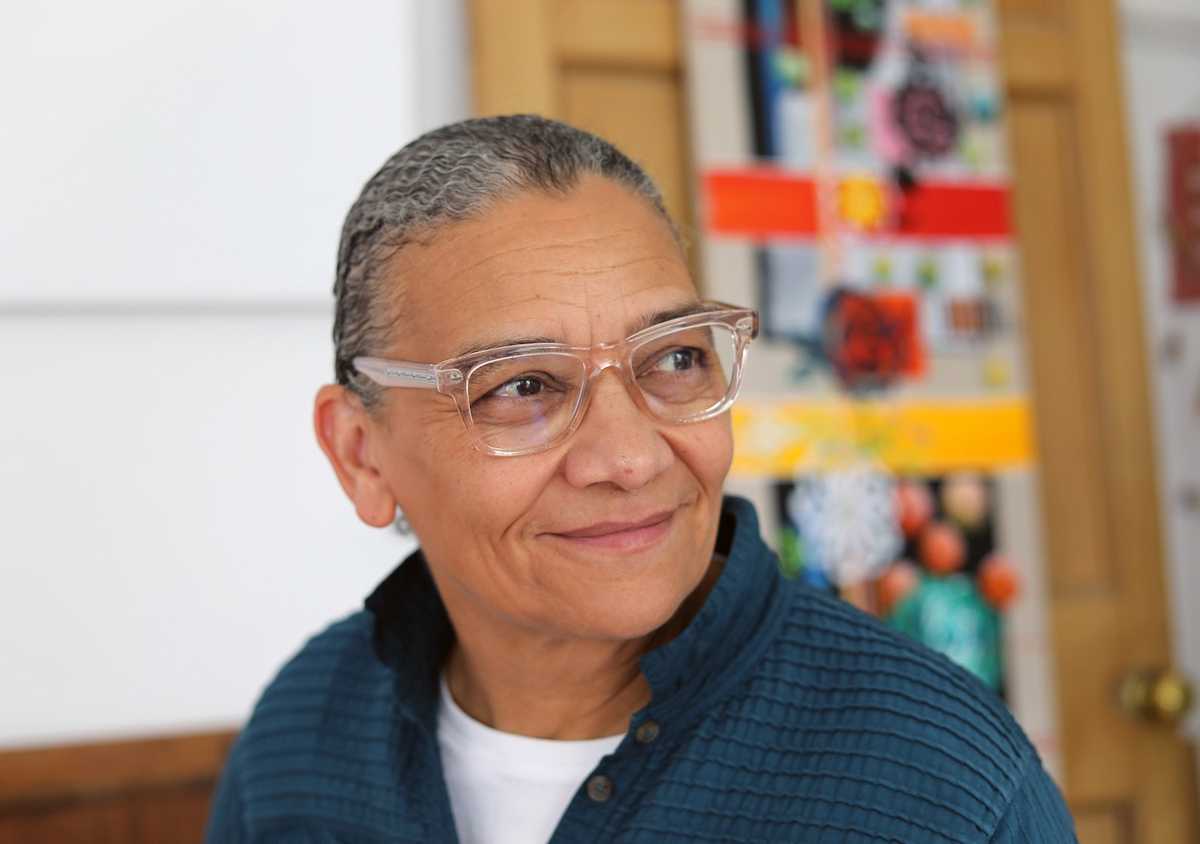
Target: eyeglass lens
<point>524,401</point>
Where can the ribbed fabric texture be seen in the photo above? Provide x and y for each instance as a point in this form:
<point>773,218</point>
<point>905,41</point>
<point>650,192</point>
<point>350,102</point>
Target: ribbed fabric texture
<point>783,714</point>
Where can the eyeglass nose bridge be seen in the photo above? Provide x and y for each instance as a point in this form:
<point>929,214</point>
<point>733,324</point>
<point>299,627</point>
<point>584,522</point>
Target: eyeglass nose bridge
<point>602,357</point>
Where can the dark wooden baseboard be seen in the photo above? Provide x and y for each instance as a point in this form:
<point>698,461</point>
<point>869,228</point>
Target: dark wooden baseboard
<point>145,791</point>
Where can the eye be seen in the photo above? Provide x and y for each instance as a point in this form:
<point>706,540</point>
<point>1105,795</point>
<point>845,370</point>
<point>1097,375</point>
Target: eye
<point>530,386</point>
<point>679,360</point>
<point>524,387</point>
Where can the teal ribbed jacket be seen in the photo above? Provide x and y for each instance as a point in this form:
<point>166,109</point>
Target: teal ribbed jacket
<point>782,714</point>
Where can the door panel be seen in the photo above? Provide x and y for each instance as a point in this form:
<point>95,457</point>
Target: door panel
<point>618,33</point>
<point>642,108</point>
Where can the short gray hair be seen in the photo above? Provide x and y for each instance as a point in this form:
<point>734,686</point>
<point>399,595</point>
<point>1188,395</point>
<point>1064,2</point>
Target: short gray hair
<point>444,176</point>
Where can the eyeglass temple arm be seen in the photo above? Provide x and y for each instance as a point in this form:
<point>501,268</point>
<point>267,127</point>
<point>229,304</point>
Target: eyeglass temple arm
<point>390,373</point>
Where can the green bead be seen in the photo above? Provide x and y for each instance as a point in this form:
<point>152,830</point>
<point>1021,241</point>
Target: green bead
<point>950,616</point>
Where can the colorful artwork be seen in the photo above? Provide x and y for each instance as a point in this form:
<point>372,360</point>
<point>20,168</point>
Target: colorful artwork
<point>852,185</point>
<point>920,552</point>
<point>844,524</point>
<point>878,136</point>
<point>870,340</point>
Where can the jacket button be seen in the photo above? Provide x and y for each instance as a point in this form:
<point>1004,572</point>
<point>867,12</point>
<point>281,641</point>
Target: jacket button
<point>647,732</point>
<point>599,788</point>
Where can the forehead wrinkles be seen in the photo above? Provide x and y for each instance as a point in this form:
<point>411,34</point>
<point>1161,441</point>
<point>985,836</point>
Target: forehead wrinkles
<point>599,262</point>
<point>527,261</point>
<point>593,289</point>
<point>560,255</point>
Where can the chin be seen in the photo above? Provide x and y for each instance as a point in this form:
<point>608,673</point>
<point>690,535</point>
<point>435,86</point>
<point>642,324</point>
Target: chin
<point>632,610</point>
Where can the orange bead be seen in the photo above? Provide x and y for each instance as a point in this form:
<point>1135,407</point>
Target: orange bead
<point>942,548</point>
<point>896,584</point>
<point>914,506</point>
<point>999,582</point>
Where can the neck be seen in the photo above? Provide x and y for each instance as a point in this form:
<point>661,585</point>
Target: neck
<point>573,694</point>
<point>556,688</point>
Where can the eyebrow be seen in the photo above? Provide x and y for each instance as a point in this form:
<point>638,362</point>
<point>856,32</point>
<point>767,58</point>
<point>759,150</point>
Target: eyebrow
<point>642,323</point>
<point>670,314</point>
<point>496,344</point>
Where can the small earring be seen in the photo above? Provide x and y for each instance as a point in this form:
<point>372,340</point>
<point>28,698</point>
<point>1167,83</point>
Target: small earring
<point>401,523</point>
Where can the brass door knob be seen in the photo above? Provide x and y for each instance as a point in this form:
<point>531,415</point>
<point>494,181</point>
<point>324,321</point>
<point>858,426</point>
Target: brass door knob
<point>1155,695</point>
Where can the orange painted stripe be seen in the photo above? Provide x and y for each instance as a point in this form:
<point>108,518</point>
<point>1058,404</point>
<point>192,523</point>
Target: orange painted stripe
<point>760,203</point>
<point>764,202</point>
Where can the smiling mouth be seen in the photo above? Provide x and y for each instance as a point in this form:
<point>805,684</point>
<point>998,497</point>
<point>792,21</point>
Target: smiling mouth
<point>621,536</point>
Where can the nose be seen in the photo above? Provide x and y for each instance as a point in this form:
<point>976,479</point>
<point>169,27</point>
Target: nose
<point>616,443</point>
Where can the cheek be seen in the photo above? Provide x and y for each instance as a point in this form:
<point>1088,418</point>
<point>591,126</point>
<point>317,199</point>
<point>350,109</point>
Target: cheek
<point>706,449</point>
<point>430,460</point>
<point>507,488</point>
<point>444,484</point>
<point>470,498</point>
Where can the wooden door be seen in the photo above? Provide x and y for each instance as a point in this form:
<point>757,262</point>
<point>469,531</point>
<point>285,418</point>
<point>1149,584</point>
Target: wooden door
<point>615,67</point>
<point>1074,209</point>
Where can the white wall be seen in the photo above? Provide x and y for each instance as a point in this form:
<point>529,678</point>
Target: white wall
<point>1161,51</point>
<point>175,177</point>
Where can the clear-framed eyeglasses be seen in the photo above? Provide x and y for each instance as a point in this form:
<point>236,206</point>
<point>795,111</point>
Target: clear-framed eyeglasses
<point>529,397</point>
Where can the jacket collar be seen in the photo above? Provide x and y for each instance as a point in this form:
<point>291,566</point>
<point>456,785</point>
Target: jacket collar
<point>413,634</point>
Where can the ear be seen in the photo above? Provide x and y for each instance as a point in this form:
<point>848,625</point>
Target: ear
<point>343,427</point>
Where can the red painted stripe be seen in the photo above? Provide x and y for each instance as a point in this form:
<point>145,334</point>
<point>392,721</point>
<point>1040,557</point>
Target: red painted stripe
<point>762,202</point>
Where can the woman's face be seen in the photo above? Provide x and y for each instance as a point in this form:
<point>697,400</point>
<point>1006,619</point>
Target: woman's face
<point>551,542</point>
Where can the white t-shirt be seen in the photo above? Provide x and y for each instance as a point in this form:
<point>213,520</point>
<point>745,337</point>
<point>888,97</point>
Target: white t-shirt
<point>505,788</point>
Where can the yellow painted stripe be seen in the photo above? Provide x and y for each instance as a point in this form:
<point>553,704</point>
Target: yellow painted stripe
<point>783,438</point>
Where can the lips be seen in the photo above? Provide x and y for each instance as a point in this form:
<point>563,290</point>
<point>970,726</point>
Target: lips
<point>600,529</point>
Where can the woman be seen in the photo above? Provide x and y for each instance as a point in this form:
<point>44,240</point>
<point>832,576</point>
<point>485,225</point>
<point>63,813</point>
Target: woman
<point>592,643</point>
